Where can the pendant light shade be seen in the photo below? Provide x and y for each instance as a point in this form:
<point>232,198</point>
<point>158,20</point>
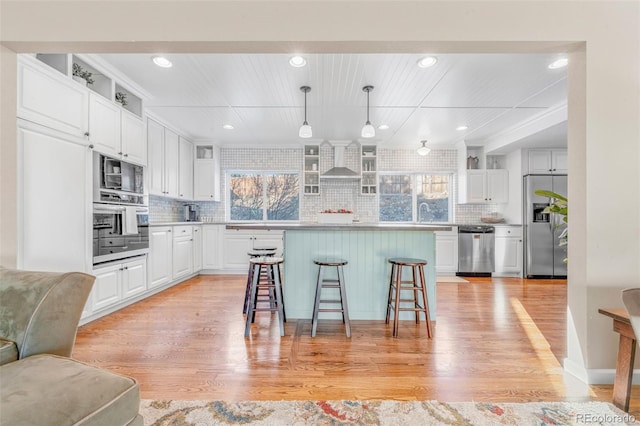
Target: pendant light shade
<point>305,129</point>
<point>423,150</point>
<point>368,131</point>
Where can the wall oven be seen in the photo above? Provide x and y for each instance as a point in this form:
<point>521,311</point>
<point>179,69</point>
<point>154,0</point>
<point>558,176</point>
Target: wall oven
<point>117,181</point>
<point>119,232</point>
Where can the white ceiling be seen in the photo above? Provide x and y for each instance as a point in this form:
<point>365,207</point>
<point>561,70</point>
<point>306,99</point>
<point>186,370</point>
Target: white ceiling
<point>259,94</point>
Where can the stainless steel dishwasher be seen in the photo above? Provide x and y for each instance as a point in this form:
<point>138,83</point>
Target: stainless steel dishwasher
<point>476,250</point>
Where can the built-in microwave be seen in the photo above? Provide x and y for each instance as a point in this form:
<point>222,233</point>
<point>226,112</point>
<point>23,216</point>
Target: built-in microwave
<point>119,232</point>
<point>118,182</point>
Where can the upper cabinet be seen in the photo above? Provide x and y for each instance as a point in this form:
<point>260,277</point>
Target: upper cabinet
<point>484,186</point>
<point>164,161</point>
<point>206,173</point>
<point>369,169</point>
<point>548,161</point>
<point>185,170</point>
<point>66,93</point>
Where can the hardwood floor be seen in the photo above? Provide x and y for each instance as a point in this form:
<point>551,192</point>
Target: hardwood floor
<point>495,340</point>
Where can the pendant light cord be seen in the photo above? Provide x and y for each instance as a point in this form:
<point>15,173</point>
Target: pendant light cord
<point>305,107</point>
<point>368,106</point>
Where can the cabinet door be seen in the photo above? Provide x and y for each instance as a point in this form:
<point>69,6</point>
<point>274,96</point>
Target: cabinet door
<point>203,182</point>
<point>134,146</point>
<point>155,150</point>
<point>160,255</point>
<point>236,246</point>
<point>171,161</point>
<point>540,161</point>
<point>446,254</point>
<point>197,248</point>
<point>185,169</point>
<point>55,198</point>
<point>104,125</point>
<point>106,289</point>
<point>476,186</point>
<point>211,253</point>
<point>497,186</point>
<point>182,257</point>
<point>134,277</point>
<point>559,161</point>
<point>42,91</point>
<point>508,256</point>
<point>268,239</point>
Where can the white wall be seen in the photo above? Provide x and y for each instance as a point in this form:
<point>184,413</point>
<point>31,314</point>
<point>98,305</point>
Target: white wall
<point>603,111</point>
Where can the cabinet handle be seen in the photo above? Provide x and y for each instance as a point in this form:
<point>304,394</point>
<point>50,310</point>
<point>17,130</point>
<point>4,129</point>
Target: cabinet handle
<point>86,134</point>
<point>169,230</point>
<point>126,155</point>
<point>120,153</point>
<point>91,146</point>
<point>126,268</point>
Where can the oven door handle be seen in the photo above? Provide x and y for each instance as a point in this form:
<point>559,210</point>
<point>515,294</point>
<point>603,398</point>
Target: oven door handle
<point>106,209</point>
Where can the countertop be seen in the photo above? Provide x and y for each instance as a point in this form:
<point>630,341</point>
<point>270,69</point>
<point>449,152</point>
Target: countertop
<point>314,225</point>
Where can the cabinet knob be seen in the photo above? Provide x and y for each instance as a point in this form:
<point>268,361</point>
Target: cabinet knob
<point>91,146</point>
<point>126,268</point>
<point>169,230</point>
<point>86,134</point>
<point>120,153</point>
<point>126,155</point>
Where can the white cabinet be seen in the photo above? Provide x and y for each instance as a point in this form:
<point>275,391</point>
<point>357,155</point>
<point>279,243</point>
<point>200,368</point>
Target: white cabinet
<point>160,255</point>
<point>104,125</point>
<point>508,251</point>
<point>211,246</point>
<point>369,181</point>
<point>197,248</point>
<point>447,252</point>
<point>548,161</point>
<point>163,149</point>
<point>238,242</point>
<point>118,282</point>
<point>54,206</point>
<point>185,170</point>
<point>206,173</point>
<point>51,98</point>
<point>484,186</point>
<point>134,147</point>
<point>182,251</point>
<point>311,160</point>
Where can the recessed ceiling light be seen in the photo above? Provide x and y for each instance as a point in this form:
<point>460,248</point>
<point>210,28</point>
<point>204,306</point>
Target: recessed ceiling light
<point>560,63</point>
<point>297,61</point>
<point>161,61</point>
<point>383,126</point>
<point>461,128</point>
<point>427,61</point>
<point>228,127</point>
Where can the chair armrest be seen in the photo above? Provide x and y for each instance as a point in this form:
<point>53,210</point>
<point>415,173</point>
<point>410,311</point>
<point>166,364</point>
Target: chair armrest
<point>40,311</point>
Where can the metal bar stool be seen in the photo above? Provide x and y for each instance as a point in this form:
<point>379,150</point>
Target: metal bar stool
<point>396,286</point>
<point>330,283</point>
<point>253,254</point>
<point>273,284</point>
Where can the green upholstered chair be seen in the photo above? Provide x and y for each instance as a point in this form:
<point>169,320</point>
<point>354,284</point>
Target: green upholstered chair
<point>39,383</point>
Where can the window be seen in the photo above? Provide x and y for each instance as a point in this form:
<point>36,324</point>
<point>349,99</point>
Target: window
<point>261,196</point>
<point>410,197</point>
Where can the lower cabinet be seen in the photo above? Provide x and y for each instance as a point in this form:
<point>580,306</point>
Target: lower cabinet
<point>118,282</point>
<point>160,255</point>
<point>182,251</point>
<point>197,248</point>
<point>509,252</point>
<point>447,252</point>
<point>212,246</point>
<point>238,242</point>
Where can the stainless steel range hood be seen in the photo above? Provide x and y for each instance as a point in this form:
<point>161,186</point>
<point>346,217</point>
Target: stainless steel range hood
<point>339,171</point>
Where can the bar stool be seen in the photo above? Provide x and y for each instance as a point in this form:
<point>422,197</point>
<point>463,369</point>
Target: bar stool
<point>396,286</point>
<point>252,254</point>
<point>330,283</point>
<point>273,284</point>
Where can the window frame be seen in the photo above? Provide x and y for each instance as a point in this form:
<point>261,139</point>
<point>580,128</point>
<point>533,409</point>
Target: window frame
<point>262,173</point>
<point>414,192</point>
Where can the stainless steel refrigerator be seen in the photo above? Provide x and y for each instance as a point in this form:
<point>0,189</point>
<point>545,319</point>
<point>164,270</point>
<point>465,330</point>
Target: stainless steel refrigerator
<point>543,256</point>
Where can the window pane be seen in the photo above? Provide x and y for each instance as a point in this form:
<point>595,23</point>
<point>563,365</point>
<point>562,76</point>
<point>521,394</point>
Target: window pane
<point>395,198</point>
<point>432,194</point>
<point>283,197</point>
<point>245,191</point>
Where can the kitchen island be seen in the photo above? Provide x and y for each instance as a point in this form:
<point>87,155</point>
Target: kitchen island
<point>367,248</point>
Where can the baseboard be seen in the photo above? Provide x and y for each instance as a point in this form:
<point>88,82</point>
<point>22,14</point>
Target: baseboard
<point>595,376</point>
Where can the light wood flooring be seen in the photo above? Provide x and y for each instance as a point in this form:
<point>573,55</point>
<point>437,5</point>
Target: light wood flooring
<point>500,340</point>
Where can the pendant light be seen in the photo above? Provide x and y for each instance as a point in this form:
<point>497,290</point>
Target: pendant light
<point>423,150</point>
<point>368,131</point>
<point>305,129</point>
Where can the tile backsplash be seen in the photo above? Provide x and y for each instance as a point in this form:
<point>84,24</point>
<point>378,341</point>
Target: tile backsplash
<point>334,193</point>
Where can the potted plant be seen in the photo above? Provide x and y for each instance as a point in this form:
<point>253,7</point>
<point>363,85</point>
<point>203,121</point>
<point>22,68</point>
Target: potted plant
<point>81,75</point>
<point>121,98</point>
<point>558,206</point>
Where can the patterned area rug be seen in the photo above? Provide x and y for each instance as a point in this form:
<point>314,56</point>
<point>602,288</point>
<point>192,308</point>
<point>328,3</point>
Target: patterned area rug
<point>204,413</point>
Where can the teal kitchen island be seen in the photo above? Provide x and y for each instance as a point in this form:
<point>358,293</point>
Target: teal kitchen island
<point>367,248</point>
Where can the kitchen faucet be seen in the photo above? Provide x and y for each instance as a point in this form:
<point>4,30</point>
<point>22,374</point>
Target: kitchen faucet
<point>420,211</point>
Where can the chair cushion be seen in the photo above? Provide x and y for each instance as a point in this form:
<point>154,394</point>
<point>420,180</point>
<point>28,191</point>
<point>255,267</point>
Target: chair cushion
<point>53,390</point>
<point>8,351</point>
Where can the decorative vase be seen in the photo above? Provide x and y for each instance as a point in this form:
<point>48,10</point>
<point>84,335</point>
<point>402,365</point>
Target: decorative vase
<point>80,80</point>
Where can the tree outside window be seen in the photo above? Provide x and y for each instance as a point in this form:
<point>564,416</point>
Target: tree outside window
<point>412,197</point>
<point>260,196</point>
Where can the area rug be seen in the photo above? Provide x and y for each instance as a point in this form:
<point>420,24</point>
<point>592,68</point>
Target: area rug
<point>450,279</point>
<point>204,413</point>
